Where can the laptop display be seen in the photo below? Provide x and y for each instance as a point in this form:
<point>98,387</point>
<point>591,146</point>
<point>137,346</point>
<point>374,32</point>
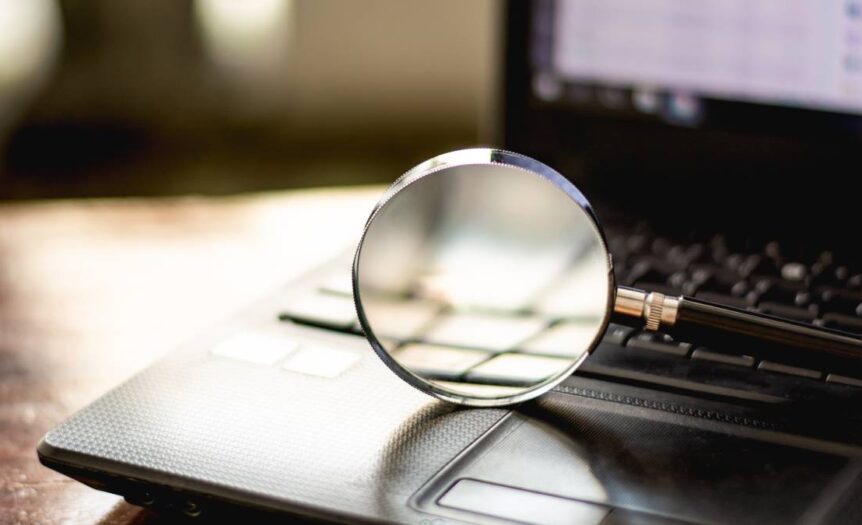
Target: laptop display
<point>727,113</point>
<point>678,61</point>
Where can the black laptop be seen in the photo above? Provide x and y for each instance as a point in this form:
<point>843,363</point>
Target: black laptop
<point>715,140</point>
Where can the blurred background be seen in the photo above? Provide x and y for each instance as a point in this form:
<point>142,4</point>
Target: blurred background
<point>101,98</point>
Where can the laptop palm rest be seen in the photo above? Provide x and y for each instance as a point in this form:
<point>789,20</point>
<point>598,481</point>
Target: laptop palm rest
<point>572,459</point>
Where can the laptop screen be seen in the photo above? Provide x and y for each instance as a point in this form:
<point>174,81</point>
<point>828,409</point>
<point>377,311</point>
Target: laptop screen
<point>671,59</point>
<point>734,111</point>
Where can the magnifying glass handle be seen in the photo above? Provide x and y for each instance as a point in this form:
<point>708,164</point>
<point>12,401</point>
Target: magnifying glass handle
<point>729,329</point>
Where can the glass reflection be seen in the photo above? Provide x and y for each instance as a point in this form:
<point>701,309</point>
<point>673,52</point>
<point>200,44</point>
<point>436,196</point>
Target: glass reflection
<point>484,280</point>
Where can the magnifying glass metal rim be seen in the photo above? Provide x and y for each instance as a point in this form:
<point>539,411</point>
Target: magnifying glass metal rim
<point>482,156</point>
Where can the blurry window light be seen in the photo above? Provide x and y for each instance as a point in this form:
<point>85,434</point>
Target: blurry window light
<point>30,33</point>
<point>249,38</point>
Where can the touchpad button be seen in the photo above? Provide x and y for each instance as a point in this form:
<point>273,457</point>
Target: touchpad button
<point>520,505</point>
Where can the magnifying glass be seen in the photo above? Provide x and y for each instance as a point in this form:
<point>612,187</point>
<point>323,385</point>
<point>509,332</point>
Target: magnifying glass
<point>483,278</point>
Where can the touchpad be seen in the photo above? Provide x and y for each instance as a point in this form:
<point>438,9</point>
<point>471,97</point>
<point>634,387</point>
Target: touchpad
<point>612,463</point>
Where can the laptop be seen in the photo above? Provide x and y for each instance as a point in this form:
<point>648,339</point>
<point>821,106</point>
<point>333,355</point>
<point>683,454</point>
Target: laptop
<point>714,139</point>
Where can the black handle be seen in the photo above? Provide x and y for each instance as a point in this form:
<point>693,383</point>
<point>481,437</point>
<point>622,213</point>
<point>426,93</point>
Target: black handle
<point>729,329</point>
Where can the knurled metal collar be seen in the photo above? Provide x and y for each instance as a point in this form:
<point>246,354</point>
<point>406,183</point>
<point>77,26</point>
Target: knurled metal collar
<point>653,310</point>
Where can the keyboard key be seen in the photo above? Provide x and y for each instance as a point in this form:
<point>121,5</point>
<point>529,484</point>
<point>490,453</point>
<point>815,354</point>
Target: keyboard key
<point>637,242</point>
<point>842,322</point>
<point>660,246</point>
<point>842,273</point>
<point>262,346</point>
<point>678,280</point>
<point>772,250</point>
<point>577,293</point>
<point>713,378</point>
<point>400,320</point>
<point>570,339</point>
<point>489,332</point>
<point>840,301</point>
<point>712,278</point>
<point>617,334</point>
<point>729,300</point>
<point>320,309</point>
<point>630,364</point>
<point>794,271</point>
<point>481,390</point>
<point>773,291</point>
<point>438,361</point>
<point>790,370</point>
<point>320,359</point>
<point>651,270</point>
<point>844,380</point>
<point>617,245</point>
<point>718,248</point>
<point>718,280</point>
<point>518,369</point>
<point>758,265</point>
<point>340,283</point>
<point>684,255</point>
<point>659,343</point>
<point>701,274</point>
<point>788,312</point>
<point>472,274</point>
<point>738,360</point>
<point>665,289</point>
<point>825,274</point>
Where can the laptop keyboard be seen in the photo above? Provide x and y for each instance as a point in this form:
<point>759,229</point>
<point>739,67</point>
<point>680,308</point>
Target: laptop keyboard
<point>455,346</point>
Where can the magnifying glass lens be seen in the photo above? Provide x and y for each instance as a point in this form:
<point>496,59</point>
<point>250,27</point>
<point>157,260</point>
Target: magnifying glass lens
<point>483,278</point>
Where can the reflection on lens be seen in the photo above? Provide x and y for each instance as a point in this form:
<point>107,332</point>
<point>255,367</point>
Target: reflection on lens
<point>483,280</point>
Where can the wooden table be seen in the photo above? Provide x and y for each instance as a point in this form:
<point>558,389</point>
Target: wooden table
<point>93,291</point>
